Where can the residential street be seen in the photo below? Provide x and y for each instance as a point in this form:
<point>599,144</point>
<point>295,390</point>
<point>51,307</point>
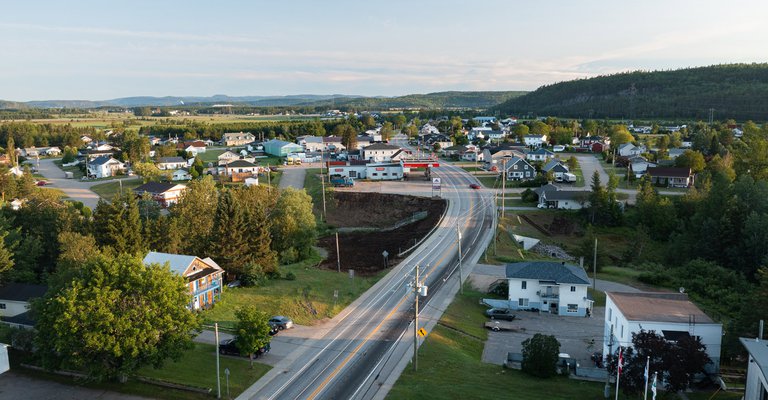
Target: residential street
<point>74,189</point>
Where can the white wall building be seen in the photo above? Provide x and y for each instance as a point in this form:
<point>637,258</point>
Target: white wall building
<point>104,166</point>
<point>535,140</point>
<point>553,287</point>
<point>668,314</point>
<point>756,387</point>
<point>379,152</point>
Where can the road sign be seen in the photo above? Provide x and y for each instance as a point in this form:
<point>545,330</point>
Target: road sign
<point>422,332</point>
<point>435,183</point>
<point>385,253</point>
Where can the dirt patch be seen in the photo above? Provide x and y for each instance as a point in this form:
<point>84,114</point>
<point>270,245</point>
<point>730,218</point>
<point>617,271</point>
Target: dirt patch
<point>363,251</point>
<point>376,210</point>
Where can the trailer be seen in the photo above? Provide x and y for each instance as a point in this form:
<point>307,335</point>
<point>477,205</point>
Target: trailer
<point>498,326</point>
<point>69,175</point>
<point>341,181</point>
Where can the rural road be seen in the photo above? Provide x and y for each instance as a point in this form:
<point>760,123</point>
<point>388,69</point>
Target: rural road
<point>74,189</point>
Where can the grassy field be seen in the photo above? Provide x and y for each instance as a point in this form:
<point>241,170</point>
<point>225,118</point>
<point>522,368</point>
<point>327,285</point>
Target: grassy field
<point>450,366</point>
<point>307,299</point>
<point>197,368</point>
<point>210,155</point>
<point>108,190</point>
<point>511,201</point>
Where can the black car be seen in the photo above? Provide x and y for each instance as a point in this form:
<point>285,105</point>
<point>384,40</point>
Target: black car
<point>500,313</point>
<point>229,346</point>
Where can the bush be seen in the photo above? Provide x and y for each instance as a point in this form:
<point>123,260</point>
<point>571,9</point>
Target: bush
<point>540,355</point>
<point>290,276</point>
<point>253,274</point>
<point>289,256</point>
<point>529,196</point>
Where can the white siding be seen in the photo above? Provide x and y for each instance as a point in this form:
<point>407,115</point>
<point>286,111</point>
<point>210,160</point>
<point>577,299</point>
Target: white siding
<point>13,308</point>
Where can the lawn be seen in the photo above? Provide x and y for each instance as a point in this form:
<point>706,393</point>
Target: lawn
<point>489,181</point>
<point>108,190</point>
<point>197,368</point>
<point>510,201</point>
<point>210,155</point>
<point>450,366</point>
<point>307,299</point>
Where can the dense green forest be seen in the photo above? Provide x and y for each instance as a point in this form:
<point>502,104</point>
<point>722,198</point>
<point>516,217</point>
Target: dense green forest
<point>738,91</point>
<point>424,101</point>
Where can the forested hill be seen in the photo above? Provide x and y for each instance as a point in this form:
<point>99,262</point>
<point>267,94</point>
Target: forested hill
<point>733,91</point>
<point>479,100</point>
<point>476,100</point>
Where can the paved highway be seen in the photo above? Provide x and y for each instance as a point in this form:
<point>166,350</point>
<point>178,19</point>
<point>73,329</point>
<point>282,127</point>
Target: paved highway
<point>371,341</point>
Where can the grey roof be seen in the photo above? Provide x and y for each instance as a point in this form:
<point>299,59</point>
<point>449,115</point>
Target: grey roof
<point>101,160</point>
<point>546,188</point>
<point>548,271</point>
<point>178,262</point>
<point>516,160</point>
<point>553,164</point>
<point>156,187</point>
<point>240,164</point>
<point>758,349</point>
<point>541,151</point>
<point>659,307</point>
<point>26,318</point>
<point>381,146</point>
<point>167,160</point>
<point>21,291</point>
<point>566,195</point>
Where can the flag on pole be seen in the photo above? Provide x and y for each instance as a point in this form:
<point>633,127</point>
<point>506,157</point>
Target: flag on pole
<point>621,361</point>
<point>653,386</point>
<point>645,376</point>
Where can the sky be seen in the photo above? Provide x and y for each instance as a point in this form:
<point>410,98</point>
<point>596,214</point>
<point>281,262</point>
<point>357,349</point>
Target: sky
<point>98,50</point>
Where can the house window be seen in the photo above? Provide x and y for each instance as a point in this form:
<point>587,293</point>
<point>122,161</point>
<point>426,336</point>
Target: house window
<point>515,166</point>
<point>622,331</point>
<point>610,314</point>
<point>573,288</point>
<point>572,308</point>
<point>375,174</point>
<point>2,306</point>
<point>526,167</point>
<point>521,302</point>
<point>525,285</point>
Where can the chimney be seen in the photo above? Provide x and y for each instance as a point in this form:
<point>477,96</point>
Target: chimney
<point>760,332</point>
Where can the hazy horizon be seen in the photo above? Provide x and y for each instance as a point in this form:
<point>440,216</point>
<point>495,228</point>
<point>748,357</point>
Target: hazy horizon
<point>88,50</point>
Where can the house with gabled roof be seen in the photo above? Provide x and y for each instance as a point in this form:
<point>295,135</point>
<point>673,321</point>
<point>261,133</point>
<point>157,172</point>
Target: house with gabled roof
<point>630,150</point>
<point>104,166</point>
<point>535,140</point>
<point>204,277</point>
<point>165,193</point>
<point>551,196</point>
<point>193,147</point>
<point>553,287</point>
<point>557,168</point>
<point>227,157</point>
<point>239,167</point>
<point>171,163</point>
<point>237,138</point>
<point>539,154</point>
<point>518,169</point>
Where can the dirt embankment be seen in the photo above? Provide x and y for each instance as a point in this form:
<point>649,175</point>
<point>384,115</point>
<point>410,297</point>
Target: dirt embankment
<point>363,251</point>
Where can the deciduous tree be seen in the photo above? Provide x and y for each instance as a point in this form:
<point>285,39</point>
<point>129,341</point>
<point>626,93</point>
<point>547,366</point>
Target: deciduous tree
<point>540,355</point>
<point>115,316</point>
<point>252,330</point>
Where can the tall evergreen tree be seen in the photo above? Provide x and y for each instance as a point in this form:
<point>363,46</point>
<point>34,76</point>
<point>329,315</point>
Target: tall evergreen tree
<point>231,247</point>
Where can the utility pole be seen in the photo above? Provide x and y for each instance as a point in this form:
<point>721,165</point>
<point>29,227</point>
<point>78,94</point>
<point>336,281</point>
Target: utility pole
<point>458,240</point>
<point>416,322</point>
<point>711,116</point>
<point>218,376</point>
<point>503,184</point>
<point>322,181</point>
<point>594,266</point>
<point>607,390</point>
<point>338,255</point>
<point>418,290</point>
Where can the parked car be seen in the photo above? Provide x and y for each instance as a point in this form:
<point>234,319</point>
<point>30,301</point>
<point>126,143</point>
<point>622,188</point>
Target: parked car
<point>280,322</point>
<point>229,346</point>
<point>500,313</point>
<point>42,183</point>
<point>233,284</point>
<point>474,186</point>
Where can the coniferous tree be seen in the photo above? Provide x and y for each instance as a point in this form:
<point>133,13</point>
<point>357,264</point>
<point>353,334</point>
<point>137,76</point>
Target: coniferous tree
<point>231,248</point>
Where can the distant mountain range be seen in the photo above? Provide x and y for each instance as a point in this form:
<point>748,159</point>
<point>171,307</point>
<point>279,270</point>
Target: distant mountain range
<point>431,100</point>
<point>737,91</point>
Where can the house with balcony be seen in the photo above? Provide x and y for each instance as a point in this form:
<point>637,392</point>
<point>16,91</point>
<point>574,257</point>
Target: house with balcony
<point>553,287</point>
<point>204,277</point>
<point>670,315</point>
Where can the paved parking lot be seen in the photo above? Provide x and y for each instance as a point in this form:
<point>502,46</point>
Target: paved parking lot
<point>578,336</point>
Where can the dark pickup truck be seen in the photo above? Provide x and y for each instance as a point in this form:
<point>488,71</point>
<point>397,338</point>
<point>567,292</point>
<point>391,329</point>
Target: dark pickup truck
<point>500,313</point>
